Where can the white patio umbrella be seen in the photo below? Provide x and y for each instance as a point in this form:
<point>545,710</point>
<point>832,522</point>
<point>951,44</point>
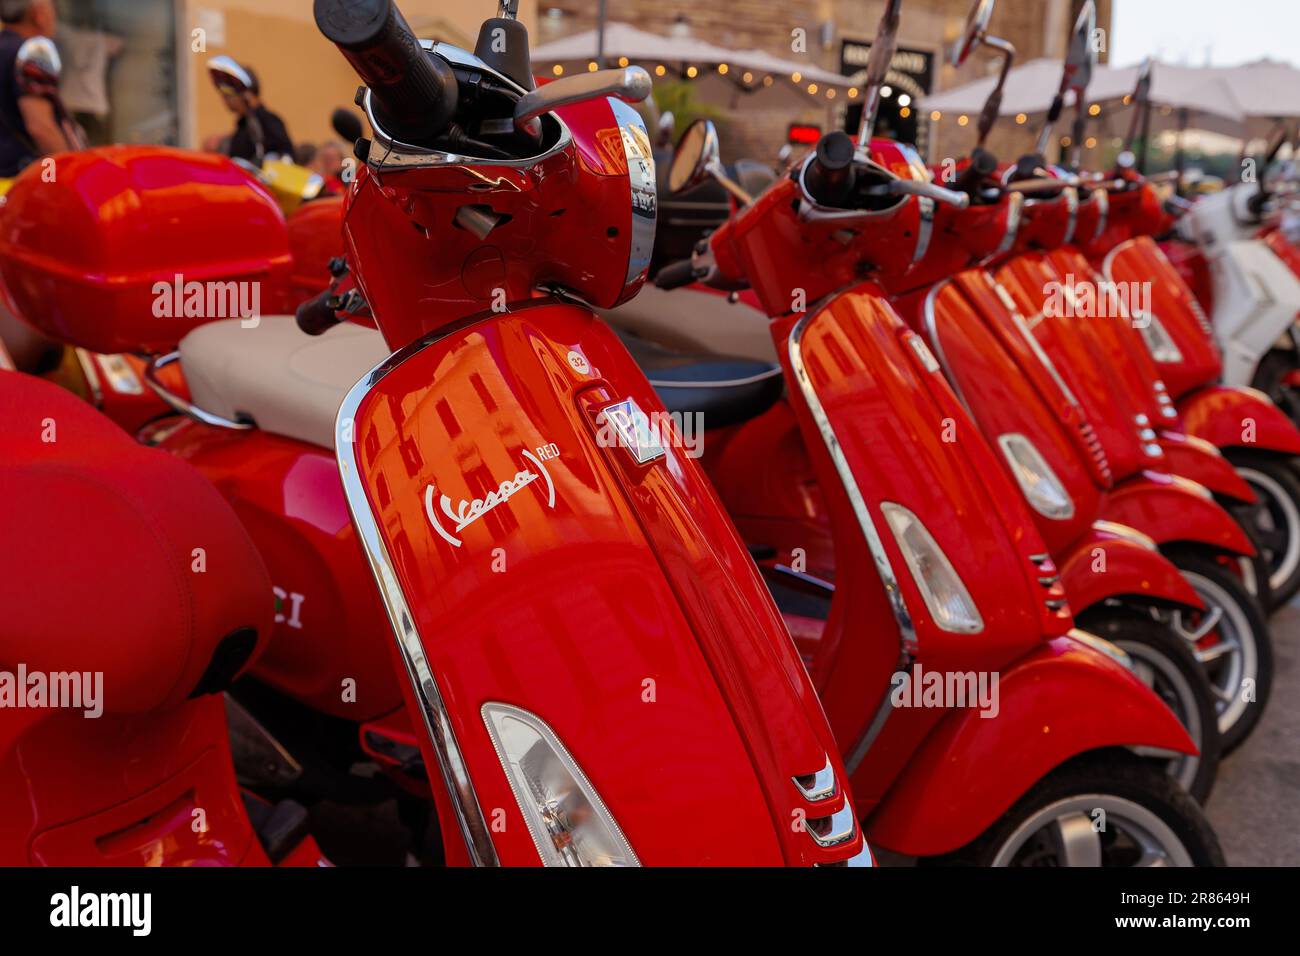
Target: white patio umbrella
<point>1030,87</point>
<point>652,49</point>
<point>1266,91</point>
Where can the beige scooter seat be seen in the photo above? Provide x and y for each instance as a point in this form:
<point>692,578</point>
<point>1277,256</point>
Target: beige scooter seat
<point>286,381</point>
<point>695,321</point>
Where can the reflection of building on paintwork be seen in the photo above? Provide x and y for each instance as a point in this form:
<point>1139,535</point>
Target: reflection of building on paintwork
<point>833,35</point>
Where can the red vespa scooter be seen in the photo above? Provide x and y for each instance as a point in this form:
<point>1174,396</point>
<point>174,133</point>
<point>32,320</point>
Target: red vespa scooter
<point>569,602</point>
<point>1183,519</point>
<point>113,740</point>
<point>1182,366</point>
<point>914,529</point>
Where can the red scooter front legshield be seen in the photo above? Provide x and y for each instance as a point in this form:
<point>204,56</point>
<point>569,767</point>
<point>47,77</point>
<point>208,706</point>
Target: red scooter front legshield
<point>532,555</point>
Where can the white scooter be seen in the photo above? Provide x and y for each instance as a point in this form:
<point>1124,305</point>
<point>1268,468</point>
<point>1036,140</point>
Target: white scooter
<point>1256,294</point>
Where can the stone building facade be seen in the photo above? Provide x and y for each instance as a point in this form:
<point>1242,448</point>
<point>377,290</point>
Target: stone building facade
<point>835,35</point>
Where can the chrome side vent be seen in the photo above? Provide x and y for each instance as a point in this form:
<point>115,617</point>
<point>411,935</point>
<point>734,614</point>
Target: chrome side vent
<point>1096,453</point>
<point>830,821</point>
<point>839,827</point>
<point>819,786</point>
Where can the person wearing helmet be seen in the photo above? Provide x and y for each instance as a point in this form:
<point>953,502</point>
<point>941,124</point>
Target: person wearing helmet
<point>30,125</point>
<point>259,133</point>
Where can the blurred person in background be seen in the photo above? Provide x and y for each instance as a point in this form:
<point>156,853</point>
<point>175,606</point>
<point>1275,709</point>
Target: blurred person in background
<point>328,164</point>
<point>254,119</point>
<point>30,124</point>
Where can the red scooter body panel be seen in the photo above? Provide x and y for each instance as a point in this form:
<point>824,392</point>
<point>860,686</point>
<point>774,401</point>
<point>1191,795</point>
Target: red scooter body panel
<point>571,581</point>
<point>1103,565</point>
<point>1140,260</point>
<point>976,348</point>
<point>886,409</point>
<point>95,257</point>
<point>149,777</point>
<point>1028,278</point>
<point>965,775</point>
<point>315,237</point>
<point>1201,462</point>
<point>1170,509</point>
<point>1230,417</point>
<point>329,647</point>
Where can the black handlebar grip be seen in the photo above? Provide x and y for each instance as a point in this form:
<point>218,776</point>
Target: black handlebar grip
<point>830,173</point>
<point>676,274</point>
<point>317,315</point>
<point>415,93</point>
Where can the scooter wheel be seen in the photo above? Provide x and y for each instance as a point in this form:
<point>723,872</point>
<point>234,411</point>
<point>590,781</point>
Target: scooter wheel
<point>1275,521</point>
<point>1231,640</point>
<point>1103,808</point>
<point>1165,663</point>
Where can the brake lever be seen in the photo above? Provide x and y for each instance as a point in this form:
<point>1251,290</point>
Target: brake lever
<point>631,85</point>
<point>916,187</point>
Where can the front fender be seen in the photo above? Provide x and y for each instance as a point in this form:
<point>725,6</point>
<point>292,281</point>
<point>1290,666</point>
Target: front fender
<point>1110,564</point>
<point>1230,417</point>
<point>1171,509</point>
<point>1199,460</point>
<point>1061,701</point>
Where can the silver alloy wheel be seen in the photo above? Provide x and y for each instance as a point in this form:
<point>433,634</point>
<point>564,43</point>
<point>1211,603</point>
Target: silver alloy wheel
<point>1167,681</point>
<point>1232,659</point>
<point>1281,513</point>
<point>1072,832</point>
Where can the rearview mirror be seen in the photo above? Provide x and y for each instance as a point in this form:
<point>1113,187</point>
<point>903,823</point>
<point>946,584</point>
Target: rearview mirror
<point>1081,56</point>
<point>972,35</point>
<point>696,154</point>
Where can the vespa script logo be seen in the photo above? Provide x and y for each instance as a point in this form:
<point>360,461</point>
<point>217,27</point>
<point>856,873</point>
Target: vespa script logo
<point>468,511</point>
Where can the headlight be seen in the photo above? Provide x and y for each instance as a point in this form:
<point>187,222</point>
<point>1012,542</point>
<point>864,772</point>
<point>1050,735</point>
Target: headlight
<point>949,602</point>
<point>569,823</point>
<point>1039,483</point>
<point>1159,343</point>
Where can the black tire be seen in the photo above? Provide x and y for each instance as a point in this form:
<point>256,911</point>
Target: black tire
<point>1248,518</point>
<point>1239,706</point>
<point>1166,664</point>
<point>1113,779</point>
<point>1275,520</point>
<point>1269,376</point>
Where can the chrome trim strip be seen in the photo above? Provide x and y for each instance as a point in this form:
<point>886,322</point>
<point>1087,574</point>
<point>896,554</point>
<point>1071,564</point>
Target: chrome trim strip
<point>644,191</point>
<point>1015,213</point>
<point>178,404</point>
<point>927,207</point>
<point>1103,199</point>
<point>860,510</point>
<point>1072,203</point>
<point>1010,305</point>
<point>897,603</point>
<point>932,333</point>
<point>451,763</point>
<point>724,383</point>
<point>1130,534</point>
<point>822,786</point>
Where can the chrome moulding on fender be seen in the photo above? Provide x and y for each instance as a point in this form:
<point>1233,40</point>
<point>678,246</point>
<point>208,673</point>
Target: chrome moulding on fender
<point>884,567</point>
<point>451,763</point>
<point>932,333</point>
